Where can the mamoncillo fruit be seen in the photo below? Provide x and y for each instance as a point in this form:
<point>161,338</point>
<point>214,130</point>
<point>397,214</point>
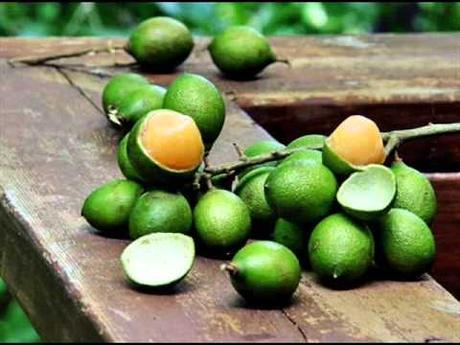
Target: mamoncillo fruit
<point>241,52</point>
<point>294,237</point>
<point>124,163</point>
<point>160,44</point>
<point>222,222</point>
<point>107,208</point>
<point>264,271</point>
<point>197,97</point>
<point>259,148</point>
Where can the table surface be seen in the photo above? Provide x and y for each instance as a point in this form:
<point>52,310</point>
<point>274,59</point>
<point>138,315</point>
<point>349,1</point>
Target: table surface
<point>56,147</point>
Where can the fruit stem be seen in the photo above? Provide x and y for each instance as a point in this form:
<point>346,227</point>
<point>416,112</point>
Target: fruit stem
<point>34,60</point>
<point>230,268</point>
<point>285,61</point>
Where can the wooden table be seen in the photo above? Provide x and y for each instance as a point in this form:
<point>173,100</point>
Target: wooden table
<point>56,147</point>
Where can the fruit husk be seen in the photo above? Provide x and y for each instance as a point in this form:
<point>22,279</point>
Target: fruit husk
<point>124,163</point>
<point>338,165</point>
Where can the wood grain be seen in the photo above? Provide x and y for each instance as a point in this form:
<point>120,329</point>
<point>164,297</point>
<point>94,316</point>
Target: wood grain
<point>55,147</point>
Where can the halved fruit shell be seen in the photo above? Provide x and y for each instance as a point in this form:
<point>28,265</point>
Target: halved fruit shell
<point>158,259</point>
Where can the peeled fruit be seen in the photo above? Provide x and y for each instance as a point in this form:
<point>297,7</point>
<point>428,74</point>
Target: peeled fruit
<point>160,211</point>
<point>309,141</point>
<point>341,250</point>
<point>124,163</point>
<point>301,192</point>
<point>107,208</point>
<point>118,88</point>
<point>251,190</point>
<point>241,52</point>
<point>137,104</point>
<point>165,147</point>
<point>197,97</point>
<point>354,143</point>
<point>158,260</point>
<point>414,192</point>
<point>222,222</point>
<point>406,246</point>
<point>264,271</point>
<point>368,194</point>
<point>160,44</point>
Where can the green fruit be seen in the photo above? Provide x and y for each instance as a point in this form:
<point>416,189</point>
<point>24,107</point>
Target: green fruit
<point>241,52</point>
<point>118,88</point>
<point>368,194</point>
<point>264,271</point>
<point>146,165</point>
<point>160,211</point>
<point>158,260</point>
<point>303,155</point>
<point>107,208</point>
<point>137,104</point>
<point>197,97</point>
<point>406,246</point>
<point>160,43</point>
<point>251,190</point>
<point>301,192</point>
<point>309,141</point>
<point>337,165</point>
<point>222,222</point>
<point>292,236</point>
<point>260,148</point>
<point>414,192</point>
<point>341,250</point>
<point>123,161</point>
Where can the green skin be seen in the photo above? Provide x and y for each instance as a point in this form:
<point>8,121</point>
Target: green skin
<point>414,192</point>
<point>293,237</point>
<point>118,87</point>
<point>265,271</point>
<point>222,222</point>
<point>108,207</point>
<point>197,97</point>
<point>304,155</point>
<point>308,141</point>
<point>124,163</point>
<point>341,250</point>
<point>148,169</point>
<point>251,190</point>
<point>301,192</point>
<point>160,211</point>
<point>405,246</point>
<point>139,102</point>
<point>241,52</point>
<point>160,44</point>
<point>259,148</point>
<point>337,165</point>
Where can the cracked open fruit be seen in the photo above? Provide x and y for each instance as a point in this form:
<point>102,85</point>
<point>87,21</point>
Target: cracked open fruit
<point>158,260</point>
<point>165,147</point>
<point>124,163</point>
<point>355,143</point>
<point>160,44</point>
<point>264,271</point>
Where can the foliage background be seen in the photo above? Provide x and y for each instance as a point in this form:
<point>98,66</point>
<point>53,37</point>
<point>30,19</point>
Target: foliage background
<point>119,19</point>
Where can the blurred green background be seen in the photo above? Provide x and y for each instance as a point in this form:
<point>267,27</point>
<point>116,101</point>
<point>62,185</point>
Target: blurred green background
<point>118,19</point>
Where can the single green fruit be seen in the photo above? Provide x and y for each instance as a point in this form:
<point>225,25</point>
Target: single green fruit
<point>303,155</point>
<point>301,191</point>
<point>405,246</point>
<point>197,97</point>
<point>251,190</point>
<point>294,237</point>
<point>259,148</point>
<point>309,141</point>
<point>264,271</point>
<point>414,192</point>
<point>222,222</point>
<point>171,136</point>
<point>241,52</point>
<point>368,194</point>
<point>158,260</point>
<point>137,104</point>
<point>123,161</point>
<point>337,165</point>
<point>341,250</point>
<point>107,208</point>
<point>160,211</point>
<point>160,44</point>
<point>116,90</point>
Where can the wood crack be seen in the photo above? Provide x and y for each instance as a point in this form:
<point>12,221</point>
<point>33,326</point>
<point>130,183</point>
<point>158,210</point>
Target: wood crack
<point>291,320</point>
